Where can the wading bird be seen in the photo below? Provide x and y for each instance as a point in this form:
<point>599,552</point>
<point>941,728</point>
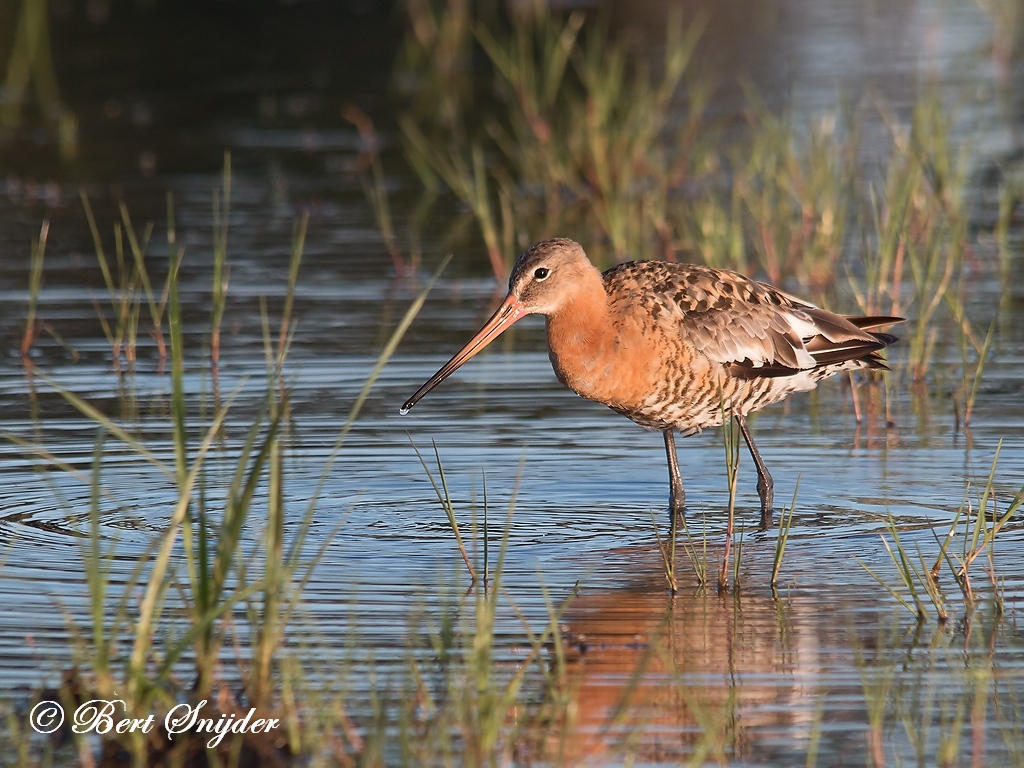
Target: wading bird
<point>676,347</point>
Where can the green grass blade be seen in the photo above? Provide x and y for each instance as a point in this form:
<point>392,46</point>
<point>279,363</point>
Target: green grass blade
<point>785,525</point>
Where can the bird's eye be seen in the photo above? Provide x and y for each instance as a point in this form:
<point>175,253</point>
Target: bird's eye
<point>541,273</point>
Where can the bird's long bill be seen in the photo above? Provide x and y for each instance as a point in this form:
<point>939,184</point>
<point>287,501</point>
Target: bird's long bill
<point>510,310</point>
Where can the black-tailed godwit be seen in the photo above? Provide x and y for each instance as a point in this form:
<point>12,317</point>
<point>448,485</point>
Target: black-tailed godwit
<point>673,347</point>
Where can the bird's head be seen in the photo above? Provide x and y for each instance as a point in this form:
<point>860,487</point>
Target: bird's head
<point>543,280</point>
<point>548,275</point>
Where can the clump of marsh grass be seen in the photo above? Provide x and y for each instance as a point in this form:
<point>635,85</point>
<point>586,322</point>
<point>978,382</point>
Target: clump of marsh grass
<point>971,535</point>
<point>920,224</point>
<point>127,287</point>
<point>468,180</point>
<point>197,573</point>
<point>567,149</point>
<point>979,537</point>
<point>128,282</point>
<point>667,550</point>
<point>913,579</point>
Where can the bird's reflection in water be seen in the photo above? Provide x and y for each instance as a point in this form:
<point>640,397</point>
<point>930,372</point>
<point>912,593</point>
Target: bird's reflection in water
<point>701,674</point>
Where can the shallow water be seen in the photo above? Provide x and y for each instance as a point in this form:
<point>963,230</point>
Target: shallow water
<point>776,668</point>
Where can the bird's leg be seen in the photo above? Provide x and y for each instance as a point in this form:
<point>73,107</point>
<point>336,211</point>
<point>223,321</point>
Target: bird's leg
<point>676,495</point>
<point>765,484</point>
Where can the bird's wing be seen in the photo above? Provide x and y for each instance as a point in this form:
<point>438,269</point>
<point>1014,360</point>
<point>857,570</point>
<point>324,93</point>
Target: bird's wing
<point>752,328</point>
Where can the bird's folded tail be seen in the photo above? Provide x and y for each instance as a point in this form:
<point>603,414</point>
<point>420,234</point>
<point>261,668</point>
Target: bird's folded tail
<point>862,347</point>
<point>832,340</point>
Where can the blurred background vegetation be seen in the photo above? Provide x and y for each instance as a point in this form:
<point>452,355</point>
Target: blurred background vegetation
<point>734,134</point>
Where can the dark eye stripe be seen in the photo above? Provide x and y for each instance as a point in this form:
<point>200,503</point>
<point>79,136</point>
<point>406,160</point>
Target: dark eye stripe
<point>540,273</point>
